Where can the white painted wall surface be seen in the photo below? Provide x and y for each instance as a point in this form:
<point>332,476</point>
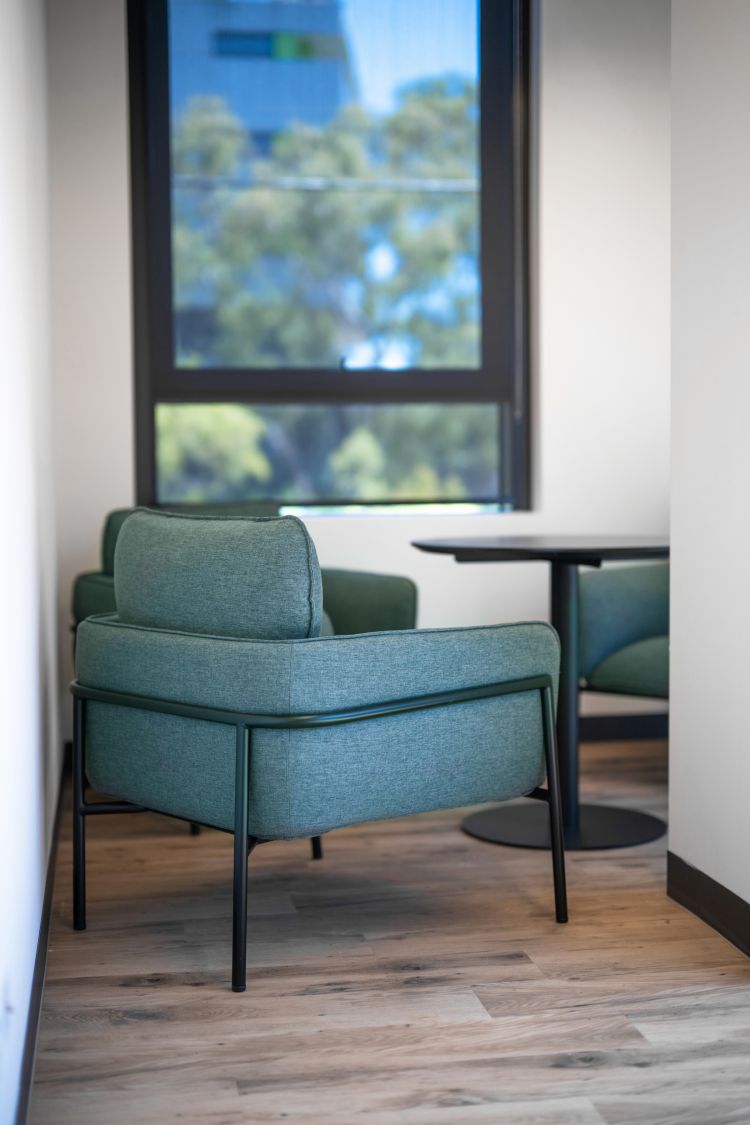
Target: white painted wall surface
<point>710,737</point>
<point>29,727</point>
<point>92,353</point>
<point>601,380</point>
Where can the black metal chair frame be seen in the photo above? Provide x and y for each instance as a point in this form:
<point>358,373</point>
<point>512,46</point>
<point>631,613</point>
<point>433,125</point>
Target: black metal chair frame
<point>244,724</point>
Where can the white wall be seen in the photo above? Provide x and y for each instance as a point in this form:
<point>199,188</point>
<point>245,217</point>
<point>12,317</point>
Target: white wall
<point>601,384</point>
<point>710,735</point>
<point>29,741</point>
<point>91,300</point>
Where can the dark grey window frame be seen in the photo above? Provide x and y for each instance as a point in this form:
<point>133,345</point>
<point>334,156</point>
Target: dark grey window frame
<point>503,378</point>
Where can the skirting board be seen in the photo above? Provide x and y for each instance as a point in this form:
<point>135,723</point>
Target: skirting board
<point>630,727</point>
<point>699,893</point>
<point>40,967</point>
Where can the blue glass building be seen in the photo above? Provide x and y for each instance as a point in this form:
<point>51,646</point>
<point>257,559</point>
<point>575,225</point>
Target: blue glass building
<point>272,61</point>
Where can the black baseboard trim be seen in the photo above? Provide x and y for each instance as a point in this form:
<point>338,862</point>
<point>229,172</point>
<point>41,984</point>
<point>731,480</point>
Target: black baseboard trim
<point>721,908</point>
<point>628,728</point>
<point>40,968</point>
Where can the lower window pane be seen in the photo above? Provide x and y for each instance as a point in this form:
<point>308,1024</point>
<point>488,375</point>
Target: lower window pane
<point>426,452</point>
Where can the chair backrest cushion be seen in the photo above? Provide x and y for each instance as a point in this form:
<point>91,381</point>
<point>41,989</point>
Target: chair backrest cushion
<point>226,576</point>
<point>110,531</point>
<point>116,519</point>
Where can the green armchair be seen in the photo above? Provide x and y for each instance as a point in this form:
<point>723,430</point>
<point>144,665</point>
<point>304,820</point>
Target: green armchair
<point>624,630</point>
<point>211,696</point>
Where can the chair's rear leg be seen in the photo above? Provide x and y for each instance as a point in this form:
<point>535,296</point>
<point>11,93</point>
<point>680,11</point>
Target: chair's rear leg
<point>317,847</point>
<point>195,829</point>
<point>555,806</point>
<point>241,851</point>
<point>79,819</point>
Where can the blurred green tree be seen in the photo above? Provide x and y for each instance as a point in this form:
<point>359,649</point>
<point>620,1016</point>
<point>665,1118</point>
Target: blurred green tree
<point>350,244</point>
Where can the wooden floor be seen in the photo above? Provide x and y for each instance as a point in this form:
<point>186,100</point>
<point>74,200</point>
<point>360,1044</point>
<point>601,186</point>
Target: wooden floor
<point>415,975</point>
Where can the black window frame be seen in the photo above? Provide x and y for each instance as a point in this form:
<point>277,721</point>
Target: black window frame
<point>504,376</point>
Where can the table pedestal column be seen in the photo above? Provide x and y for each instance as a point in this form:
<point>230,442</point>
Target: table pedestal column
<point>585,826</point>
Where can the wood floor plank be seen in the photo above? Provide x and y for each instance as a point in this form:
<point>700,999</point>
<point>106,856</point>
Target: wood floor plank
<point>414,977</point>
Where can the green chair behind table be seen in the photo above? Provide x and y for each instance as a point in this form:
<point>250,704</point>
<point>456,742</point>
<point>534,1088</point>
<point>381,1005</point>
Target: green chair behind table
<point>624,630</point>
<point>210,696</point>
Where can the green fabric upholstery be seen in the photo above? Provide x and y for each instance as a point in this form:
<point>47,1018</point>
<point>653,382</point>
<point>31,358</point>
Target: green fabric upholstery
<point>355,602</point>
<point>624,630</point>
<point>115,520</point>
<point>618,606</point>
<point>111,530</point>
<point>326,625</point>
<point>359,602</point>
<point>305,782</point>
<point>93,592</point>
<point>638,669</point>
<point>237,576</point>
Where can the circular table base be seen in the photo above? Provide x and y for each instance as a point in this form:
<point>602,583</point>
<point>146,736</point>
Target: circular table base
<point>527,826</point>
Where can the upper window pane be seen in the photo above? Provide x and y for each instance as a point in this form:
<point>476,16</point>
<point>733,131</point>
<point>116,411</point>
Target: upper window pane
<point>325,183</point>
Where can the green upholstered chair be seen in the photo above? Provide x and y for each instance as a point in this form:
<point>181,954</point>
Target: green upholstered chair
<point>624,630</point>
<point>355,601</point>
<point>210,696</point>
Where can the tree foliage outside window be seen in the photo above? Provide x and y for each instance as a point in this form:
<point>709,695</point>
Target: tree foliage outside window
<point>353,239</point>
<point>229,452</point>
<point>353,244</point>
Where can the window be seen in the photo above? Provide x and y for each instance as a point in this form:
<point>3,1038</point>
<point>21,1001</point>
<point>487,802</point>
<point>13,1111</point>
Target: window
<point>329,212</point>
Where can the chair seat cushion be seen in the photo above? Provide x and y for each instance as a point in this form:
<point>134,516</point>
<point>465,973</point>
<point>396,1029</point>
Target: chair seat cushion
<point>638,669</point>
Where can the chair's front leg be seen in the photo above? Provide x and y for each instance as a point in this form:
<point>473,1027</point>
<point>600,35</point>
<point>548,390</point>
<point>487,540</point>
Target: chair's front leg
<point>317,847</point>
<point>79,819</point>
<point>239,905</point>
<point>555,805</point>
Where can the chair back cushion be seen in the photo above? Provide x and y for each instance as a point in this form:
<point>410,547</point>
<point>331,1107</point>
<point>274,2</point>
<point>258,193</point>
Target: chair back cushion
<point>110,531</point>
<point>226,576</point>
<point>116,519</point>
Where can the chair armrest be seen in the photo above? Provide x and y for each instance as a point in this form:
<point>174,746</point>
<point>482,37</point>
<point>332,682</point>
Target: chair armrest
<point>619,606</point>
<point>361,602</point>
<point>307,676</point>
<point>93,592</point>
<point>457,745</point>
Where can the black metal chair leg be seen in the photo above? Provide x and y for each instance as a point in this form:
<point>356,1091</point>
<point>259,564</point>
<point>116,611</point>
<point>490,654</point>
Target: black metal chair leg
<point>555,806</point>
<point>317,847</point>
<point>241,851</point>
<point>79,820</point>
<point>195,829</point>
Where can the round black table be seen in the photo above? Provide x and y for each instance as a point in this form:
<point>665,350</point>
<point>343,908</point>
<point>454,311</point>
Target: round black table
<point>586,826</point>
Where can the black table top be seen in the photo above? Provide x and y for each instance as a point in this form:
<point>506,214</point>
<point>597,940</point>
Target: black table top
<point>579,549</point>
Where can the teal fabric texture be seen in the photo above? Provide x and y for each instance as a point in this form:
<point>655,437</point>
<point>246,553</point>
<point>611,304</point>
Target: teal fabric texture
<point>638,669</point>
<point>305,782</point>
<point>116,519</point>
<point>110,532</point>
<point>93,592</point>
<point>360,602</point>
<point>618,606</point>
<point>383,601</point>
<point>237,576</point>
